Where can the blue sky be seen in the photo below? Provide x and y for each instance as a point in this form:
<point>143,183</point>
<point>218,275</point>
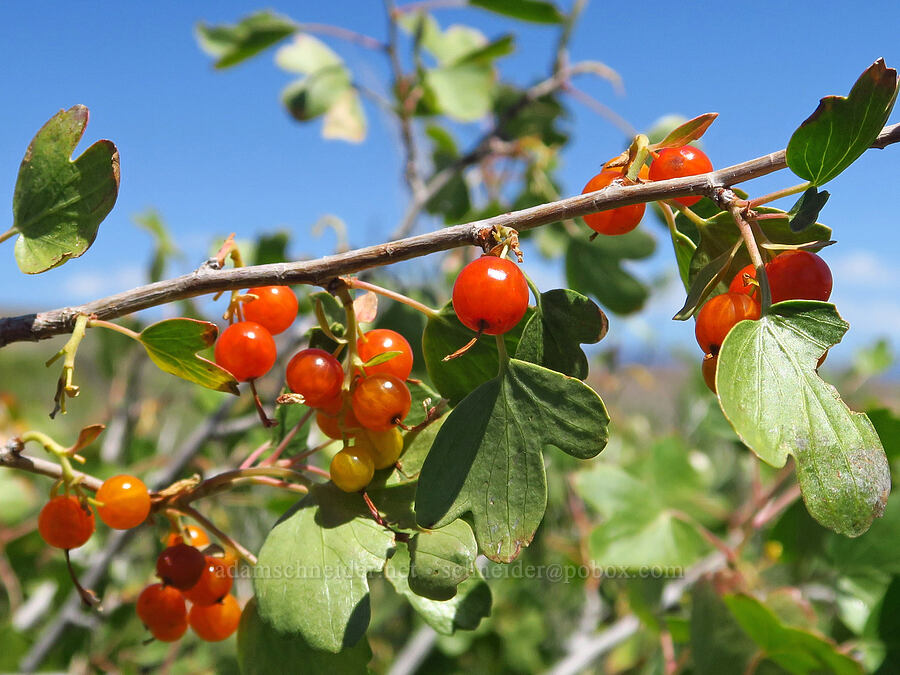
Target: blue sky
<point>216,153</point>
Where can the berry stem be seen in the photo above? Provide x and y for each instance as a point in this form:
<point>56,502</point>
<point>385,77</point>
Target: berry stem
<point>263,416</point>
<point>9,234</point>
<point>354,282</point>
<point>351,330</point>
<point>288,437</point>
<point>208,525</point>
<point>99,323</point>
<point>687,212</point>
<point>779,194</point>
<point>325,326</point>
<point>64,386</point>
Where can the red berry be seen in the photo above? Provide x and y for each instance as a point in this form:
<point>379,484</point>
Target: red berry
<point>180,566</point>
<point>742,282</point>
<point>336,427</point>
<point>719,315</point>
<point>195,537</point>
<point>213,585</point>
<point>799,275</point>
<point>383,340</point>
<point>710,363</point>
<point>125,502</point>
<point>216,622</point>
<point>246,350</point>
<point>380,402</point>
<point>316,375</point>
<point>65,522</point>
<point>275,308</point>
<point>162,609</point>
<point>613,221</point>
<point>352,469</point>
<point>490,295</point>
<point>677,163</point>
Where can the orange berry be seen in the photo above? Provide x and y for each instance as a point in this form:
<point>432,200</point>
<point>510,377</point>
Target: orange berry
<point>216,622</point>
<point>65,523</point>
<point>125,502</point>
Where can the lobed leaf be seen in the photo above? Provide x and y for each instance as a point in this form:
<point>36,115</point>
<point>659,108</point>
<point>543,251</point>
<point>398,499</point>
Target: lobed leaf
<point>563,321</point>
<point>173,344</point>
<point>487,458</point>
<point>312,569</point>
<point>464,611</point>
<point>233,44</point>
<point>843,127</point>
<point>771,394</point>
<point>58,204</point>
<point>262,650</point>
<point>442,559</point>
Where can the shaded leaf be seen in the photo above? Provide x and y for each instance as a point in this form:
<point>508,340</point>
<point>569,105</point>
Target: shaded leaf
<point>318,556</point>
<point>464,611</point>
<point>443,335</point>
<point>262,650</point>
<point>770,392</point>
<point>535,11</point>
<point>843,127</point>
<point>271,248</point>
<point>596,268</point>
<point>684,252</point>
<point>718,643</point>
<point>796,650</point>
<point>875,552</point>
<point>58,204</point>
<point>805,211</point>
<point>887,424</point>
<point>564,320</point>
<point>232,44</point>
<point>173,344</point>
<point>487,458</point>
<point>440,560</point>
<point>686,132</point>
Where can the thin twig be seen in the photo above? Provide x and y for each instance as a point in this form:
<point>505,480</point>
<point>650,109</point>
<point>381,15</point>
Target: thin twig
<point>346,34</point>
<point>209,526</point>
<point>34,327</point>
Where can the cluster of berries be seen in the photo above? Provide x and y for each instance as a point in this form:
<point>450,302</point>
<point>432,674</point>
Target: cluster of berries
<point>368,414</point>
<point>189,574</point>
<point>792,275</point>
<point>667,163</point>
<point>67,521</point>
<point>246,348</point>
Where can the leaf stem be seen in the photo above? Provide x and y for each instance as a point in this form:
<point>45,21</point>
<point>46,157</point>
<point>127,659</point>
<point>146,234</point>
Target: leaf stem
<point>9,234</point>
<point>208,525</point>
<point>687,212</point>
<point>778,194</point>
<point>64,386</point>
<point>351,330</point>
<point>504,357</point>
<point>354,282</point>
<point>99,323</point>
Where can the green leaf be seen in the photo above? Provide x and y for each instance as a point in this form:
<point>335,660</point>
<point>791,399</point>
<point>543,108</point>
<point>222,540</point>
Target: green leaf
<point>58,204</point>
<point>487,458</point>
<point>165,247</point>
<point>564,320</point>
<point>271,248</point>
<point>452,200</point>
<point>643,538</point>
<point>687,132</point>
<point>232,44</point>
<point>596,268</point>
<point>440,560</point>
<point>454,379</point>
<point>262,650</point>
<point>770,392</point>
<point>287,416</point>
<point>519,117</point>
<point>524,10</point>
<point>875,552</point>
<point>842,128</point>
<point>464,611</point>
<point>795,650</point>
<point>805,211</point>
<point>684,252</point>
<point>173,344</point>
<point>416,445</point>
<point>463,92</point>
<point>312,569</point>
<point>887,424</point>
<point>502,46</point>
<point>718,643</point>
<point>448,47</point>
<point>706,282</point>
